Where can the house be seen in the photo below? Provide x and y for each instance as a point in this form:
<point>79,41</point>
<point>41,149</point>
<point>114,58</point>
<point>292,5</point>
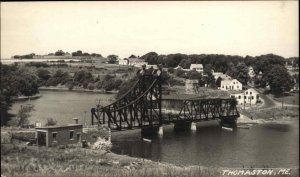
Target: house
<point>250,96</point>
<point>197,67</point>
<point>123,61</point>
<point>136,62</point>
<point>58,135</point>
<point>221,75</point>
<point>231,85</point>
<point>251,72</point>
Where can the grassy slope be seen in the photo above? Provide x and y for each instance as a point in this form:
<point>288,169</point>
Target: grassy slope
<point>78,162</point>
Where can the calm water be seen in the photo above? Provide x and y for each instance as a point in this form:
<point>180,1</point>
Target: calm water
<point>63,106</point>
<point>271,145</point>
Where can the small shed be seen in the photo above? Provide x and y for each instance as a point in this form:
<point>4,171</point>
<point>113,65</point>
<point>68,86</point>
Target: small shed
<point>58,135</point>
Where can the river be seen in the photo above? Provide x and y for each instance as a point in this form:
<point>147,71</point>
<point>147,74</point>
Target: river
<point>266,145</point>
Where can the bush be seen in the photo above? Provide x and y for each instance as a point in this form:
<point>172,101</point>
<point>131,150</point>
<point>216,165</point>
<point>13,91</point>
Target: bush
<point>50,122</point>
<point>91,86</point>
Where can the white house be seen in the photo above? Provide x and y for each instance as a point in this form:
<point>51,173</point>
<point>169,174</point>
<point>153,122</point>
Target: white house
<point>137,62</point>
<point>123,61</point>
<point>221,75</point>
<point>249,96</point>
<point>231,85</point>
<point>197,67</point>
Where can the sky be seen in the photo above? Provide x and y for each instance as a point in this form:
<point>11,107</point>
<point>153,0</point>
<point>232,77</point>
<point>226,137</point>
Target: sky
<point>124,28</point>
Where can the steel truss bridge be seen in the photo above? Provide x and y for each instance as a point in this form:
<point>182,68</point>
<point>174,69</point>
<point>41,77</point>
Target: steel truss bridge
<point>141,107</point>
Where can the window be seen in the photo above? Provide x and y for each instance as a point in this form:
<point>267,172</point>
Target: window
<point>71,134</point>
<point>245,97</point>
<point>252,97</point>
<point>239,97</point>
<point>246,93</point>
<point>250,93</point>
<point>54,136</point>
<point>237,86</point>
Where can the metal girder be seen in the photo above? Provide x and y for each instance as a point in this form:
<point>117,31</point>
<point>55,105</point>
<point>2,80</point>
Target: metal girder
<point>137,108</point>
<point>141,107</point>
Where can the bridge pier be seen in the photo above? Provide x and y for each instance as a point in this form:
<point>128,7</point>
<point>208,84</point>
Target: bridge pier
<point>182,125</point>
<point>153,130</point>
<point>228,122</point>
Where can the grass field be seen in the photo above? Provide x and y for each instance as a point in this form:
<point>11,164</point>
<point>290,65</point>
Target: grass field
<point>78,162</point>
<point>292,98</point>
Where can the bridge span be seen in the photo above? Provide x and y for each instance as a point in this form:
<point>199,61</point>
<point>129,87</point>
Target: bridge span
<point>141,108</point>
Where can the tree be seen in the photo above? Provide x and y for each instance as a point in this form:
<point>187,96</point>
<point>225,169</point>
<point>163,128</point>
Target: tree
<point>50,122</point>
<point>43,74</point>
<point>194,75</point>
<point>279,79</point>
<point>5,101</point>
<point>112,59</point>
<point>218,82</point>
<point>242,73</point>
<point>151,58</point>
<point>23,115</point>
<point>59,53</point>
<point>132,56</point>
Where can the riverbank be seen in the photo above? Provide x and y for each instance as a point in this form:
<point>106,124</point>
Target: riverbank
<point>21,98</point>
<point>63,88</point>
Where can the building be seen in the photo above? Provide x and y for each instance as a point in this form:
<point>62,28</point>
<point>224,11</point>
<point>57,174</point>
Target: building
<point>58,135</point>
<point>136,62</point>
<point>231,85</point>
<point>123,61</point>
<point>197,67</point>
<point>221,75</point>
<point>249,96</point>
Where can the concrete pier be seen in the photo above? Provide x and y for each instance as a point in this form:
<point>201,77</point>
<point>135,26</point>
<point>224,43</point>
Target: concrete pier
<point>182,125</point>
<point>193,126</point>
<point>228,122</point>
<point>154,130</point>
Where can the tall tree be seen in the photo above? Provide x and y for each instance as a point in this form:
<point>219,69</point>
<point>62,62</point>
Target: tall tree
<point>242,73</point>
<point>279,79</point>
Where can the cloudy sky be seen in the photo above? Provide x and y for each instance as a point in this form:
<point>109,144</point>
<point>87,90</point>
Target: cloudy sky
<point>124,28</point>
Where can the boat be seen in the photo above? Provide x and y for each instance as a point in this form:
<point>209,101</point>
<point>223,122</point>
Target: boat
<point>147,140</point>
<point>227,128</point>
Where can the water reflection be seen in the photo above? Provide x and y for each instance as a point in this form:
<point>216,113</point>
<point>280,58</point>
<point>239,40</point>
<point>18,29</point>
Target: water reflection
<point>259,146</point>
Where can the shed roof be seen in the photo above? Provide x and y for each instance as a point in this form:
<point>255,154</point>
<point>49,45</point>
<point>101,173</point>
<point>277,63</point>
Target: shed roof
<point>60,126</point>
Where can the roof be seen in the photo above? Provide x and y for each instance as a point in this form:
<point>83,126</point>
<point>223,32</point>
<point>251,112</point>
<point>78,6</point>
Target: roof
<point>135,59</point>
<point>60,126</point>
<point>196,66</point>
<point>226,82</point>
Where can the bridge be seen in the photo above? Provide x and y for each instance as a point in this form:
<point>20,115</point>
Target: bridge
<point>141,107</point>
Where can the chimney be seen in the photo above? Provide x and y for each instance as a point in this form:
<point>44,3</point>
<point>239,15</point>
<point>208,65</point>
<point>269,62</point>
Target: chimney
<point>76,120</point>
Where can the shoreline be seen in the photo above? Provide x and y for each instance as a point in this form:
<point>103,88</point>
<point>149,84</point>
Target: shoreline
<point>51,88</point>
<point>21,98</point>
